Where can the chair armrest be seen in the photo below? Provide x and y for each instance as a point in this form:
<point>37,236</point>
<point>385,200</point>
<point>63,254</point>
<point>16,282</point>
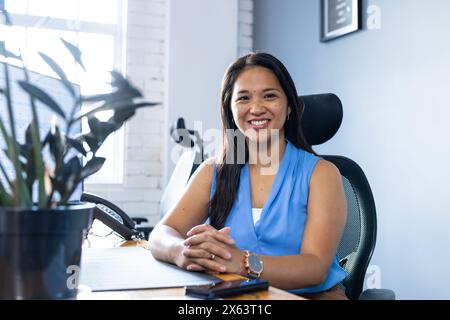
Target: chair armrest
<point>377,294</point>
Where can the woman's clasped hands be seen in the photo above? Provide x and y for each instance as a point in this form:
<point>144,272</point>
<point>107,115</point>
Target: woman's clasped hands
<point>209,249</point>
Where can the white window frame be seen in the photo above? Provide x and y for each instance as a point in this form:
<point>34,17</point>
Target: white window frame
<point>118,31</point>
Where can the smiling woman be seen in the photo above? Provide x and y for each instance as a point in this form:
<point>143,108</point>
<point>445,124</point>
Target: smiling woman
<point>303,208</point>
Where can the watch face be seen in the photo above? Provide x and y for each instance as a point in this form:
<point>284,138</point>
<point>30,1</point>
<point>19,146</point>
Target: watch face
<point>255,263</point>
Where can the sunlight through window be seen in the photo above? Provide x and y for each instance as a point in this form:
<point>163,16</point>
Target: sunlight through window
<point>95,27</point>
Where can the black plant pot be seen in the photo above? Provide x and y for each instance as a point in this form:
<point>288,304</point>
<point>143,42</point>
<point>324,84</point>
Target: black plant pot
<point>40,251</point>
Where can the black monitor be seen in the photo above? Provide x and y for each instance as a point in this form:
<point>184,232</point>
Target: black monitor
<point>22,111</point>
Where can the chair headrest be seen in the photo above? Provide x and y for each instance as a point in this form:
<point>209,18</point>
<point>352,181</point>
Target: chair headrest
<point>321,118</point>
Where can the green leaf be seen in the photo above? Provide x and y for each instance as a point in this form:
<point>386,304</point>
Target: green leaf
<point>10,145</point>
<point>68,178</point>
<point>77,145</point>
<point>58,185</point>
<point>95,98</point>
<point>28,135</point>
<point>59,71</point>
<point>122,115</point>
<point>42,96</point>
<point>36,142</point>
<point>57,147</point>
<point>30,169</point>
<point>21,196</point>
<point>6,53</point>
<point>46,140</point>
<point>74,51</point>
<point>5,14</point>
<point>101,130</point>
<point>91,167</point>
<point>5,176</point>
<point>115,106</point>
<point>27,151</point>
<point>70,172</point>
<point>92,142</point>
<point>118,80</point>
<point>116,96</point>
<point>145,104</point>
<point>5,198</point>
<point>123,91</point>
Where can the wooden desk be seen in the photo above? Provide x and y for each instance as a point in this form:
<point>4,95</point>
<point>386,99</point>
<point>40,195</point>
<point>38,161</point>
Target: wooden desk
<point>171,293</point>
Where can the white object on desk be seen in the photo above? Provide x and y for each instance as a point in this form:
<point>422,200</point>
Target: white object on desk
<point>104,269</point>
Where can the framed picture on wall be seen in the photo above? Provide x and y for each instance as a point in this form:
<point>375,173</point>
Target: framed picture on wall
<point>339,18</point>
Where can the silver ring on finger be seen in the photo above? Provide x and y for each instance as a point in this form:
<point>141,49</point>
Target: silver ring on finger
<point>213,256</point>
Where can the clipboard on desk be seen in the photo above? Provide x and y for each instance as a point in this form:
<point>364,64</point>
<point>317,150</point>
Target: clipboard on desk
<point>131,268</point>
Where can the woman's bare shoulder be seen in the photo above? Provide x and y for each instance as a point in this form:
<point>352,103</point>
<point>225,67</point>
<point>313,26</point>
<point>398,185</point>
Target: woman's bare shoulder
<point>210,162</point>
<point>205,171</point>
<point>324,171</point>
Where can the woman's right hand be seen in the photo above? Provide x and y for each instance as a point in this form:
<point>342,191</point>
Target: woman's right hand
<point>186,263</point>
<point>212,244</point>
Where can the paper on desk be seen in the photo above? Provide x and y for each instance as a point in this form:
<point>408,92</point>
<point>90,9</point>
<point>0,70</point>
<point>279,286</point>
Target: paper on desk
<point>130,268</point>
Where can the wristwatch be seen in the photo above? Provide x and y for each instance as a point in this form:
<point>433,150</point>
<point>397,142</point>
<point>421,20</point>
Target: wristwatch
<point>253,264</point>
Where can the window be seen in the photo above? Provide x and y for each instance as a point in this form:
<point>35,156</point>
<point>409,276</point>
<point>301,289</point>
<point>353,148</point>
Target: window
<point>97,27</point>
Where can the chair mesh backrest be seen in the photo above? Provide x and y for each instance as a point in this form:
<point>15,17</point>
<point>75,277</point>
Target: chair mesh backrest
<point>352,233</point>
<point>358,240</point>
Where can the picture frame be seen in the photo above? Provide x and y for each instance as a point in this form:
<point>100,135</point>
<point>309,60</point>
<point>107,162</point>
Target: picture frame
<point>339,18</point>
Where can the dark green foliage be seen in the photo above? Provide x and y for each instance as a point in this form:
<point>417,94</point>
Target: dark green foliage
<point>67,169</point>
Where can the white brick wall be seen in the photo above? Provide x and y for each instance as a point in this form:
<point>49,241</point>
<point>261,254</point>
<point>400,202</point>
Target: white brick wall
<point>145,55</point>
<point>245,27</point>
<point>145,66</point>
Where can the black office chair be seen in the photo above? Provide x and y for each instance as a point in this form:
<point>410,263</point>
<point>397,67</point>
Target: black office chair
<point>321,120</point>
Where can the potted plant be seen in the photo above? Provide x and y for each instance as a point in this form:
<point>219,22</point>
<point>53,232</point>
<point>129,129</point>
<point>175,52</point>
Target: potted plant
<point>41,231</point>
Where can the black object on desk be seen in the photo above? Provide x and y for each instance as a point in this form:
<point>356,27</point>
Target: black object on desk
<point>112,216</point>
<point>226,288</point>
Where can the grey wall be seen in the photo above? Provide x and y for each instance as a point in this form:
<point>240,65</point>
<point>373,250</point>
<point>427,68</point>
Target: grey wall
<point>394,84</point>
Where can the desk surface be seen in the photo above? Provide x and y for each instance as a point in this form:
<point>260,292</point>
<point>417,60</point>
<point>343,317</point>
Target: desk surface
<point>171,293</point>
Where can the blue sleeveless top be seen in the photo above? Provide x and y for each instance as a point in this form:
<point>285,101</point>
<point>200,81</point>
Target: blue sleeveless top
<point>280,229</point>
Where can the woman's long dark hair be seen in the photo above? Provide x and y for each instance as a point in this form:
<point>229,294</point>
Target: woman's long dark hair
<point>228,174</point>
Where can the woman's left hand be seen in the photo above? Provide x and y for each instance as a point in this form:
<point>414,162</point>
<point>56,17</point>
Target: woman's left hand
<point>200,238</point>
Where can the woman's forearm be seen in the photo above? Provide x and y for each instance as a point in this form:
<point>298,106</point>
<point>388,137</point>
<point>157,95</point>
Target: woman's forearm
<point>285,272</point>
<point>166,243</point>
<point>294,271</point>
